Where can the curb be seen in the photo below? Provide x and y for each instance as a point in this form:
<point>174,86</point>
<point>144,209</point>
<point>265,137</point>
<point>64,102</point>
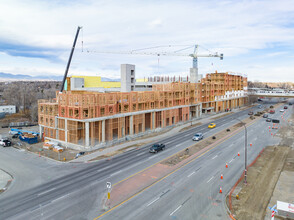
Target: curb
<point>8,182</point>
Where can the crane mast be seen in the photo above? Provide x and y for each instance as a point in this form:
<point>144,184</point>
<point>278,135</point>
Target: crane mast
<point>69,59</point>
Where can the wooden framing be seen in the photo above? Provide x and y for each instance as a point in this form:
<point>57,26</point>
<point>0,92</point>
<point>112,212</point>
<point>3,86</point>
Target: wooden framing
<point>166,101</point>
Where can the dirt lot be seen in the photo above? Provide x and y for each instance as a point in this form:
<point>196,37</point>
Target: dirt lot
<point>66,155</point>
<point>263,176</point>
<point>37,148</point>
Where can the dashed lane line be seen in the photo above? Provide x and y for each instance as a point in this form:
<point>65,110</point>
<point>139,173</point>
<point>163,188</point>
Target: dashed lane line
<point>153,201</point>
<point>191,174</point>
<point>175,210</point>
<point>210,179</point>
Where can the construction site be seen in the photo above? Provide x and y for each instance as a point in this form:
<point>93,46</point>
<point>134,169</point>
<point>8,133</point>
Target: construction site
<point>89,113</point>
<point>84,119</point>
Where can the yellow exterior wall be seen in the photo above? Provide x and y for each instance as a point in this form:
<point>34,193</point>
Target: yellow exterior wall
<point>142,80</point>
<point>95,81</point>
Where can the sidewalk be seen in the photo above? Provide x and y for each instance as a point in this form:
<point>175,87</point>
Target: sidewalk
<point>5,180</point>
<point>203,119</point>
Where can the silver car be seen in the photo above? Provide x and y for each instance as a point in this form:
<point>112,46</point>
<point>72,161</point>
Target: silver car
<point>197,137</point>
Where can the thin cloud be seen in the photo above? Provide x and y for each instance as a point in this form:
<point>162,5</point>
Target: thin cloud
<point>236,28</point>
<point>21,50</point>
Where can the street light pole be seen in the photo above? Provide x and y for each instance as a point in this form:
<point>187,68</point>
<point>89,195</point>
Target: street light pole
<point>245,170</point>
<point>245,174</point>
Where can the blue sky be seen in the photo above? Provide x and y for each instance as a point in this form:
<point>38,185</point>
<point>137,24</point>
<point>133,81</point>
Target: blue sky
<point>256,37</point>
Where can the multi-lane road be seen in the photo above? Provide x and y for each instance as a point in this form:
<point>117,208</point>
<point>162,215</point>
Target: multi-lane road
<point>190,193</point>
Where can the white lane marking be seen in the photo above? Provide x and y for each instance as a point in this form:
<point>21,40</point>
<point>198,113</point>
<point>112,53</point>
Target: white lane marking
<point>59,198</point>
<point>168,142</point>
<point>46,191</point>
<point>191,174</point>
<point>153,201</point>
<point>214,157</point>
<point>182,143</point>
<point>141,153</point>
<point>105,168</point>
<point>210,179</point>
<point>175,210</point>
<point>231,161</point>
<point>115,173</point>
<point>231,145</point>
<point>187,135</point>
<point>255,139</point>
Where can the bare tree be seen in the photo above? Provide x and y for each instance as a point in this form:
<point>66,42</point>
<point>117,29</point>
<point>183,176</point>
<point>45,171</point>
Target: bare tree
<point>24,95</point>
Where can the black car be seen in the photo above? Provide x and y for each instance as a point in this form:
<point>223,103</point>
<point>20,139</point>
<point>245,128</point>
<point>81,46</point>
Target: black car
<point>268,120</point>
<point>5,143</point>
<point>290,103</point>
<point>156,147</point>
<point>15,136</point>
<point>275,121</point>
<point>80,154</point>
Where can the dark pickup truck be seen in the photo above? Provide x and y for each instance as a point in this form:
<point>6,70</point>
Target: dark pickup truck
<point>156,147</point>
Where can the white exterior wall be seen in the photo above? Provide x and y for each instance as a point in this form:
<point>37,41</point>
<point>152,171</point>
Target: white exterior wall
<point>11,109</point>
<point>231,94</point>
<point>128,77</point>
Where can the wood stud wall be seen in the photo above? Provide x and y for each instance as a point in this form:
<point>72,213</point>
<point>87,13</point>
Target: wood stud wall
<point>86,105</point>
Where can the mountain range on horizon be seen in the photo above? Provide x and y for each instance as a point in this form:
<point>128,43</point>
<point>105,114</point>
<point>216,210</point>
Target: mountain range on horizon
<point>19,77</point>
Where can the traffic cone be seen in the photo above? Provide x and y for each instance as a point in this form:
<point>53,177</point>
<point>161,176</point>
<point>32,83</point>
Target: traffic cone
<point>238,154</point>
<point>222,176</point>
<point>220,190</point>
<point>226,165</point>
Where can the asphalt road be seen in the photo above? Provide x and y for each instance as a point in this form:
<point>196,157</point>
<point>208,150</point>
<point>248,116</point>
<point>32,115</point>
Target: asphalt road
<point>193,191</point>
<point>77,195</point>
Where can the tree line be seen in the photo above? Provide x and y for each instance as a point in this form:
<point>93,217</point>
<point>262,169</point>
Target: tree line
<point>25,94</point>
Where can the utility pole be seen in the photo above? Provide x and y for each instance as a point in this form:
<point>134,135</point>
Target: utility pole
<point>245,170</point>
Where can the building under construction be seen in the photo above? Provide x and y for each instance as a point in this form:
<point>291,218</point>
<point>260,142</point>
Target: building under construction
<point>85,118</point>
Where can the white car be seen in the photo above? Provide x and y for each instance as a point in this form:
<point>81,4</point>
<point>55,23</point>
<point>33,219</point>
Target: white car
<point>5,142</point>
<point>197,137</point>
<point>13,132</point>
<point>282,110</point>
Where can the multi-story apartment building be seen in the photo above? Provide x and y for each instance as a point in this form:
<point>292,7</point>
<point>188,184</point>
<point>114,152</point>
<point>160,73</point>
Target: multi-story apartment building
<point>86,119</point>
